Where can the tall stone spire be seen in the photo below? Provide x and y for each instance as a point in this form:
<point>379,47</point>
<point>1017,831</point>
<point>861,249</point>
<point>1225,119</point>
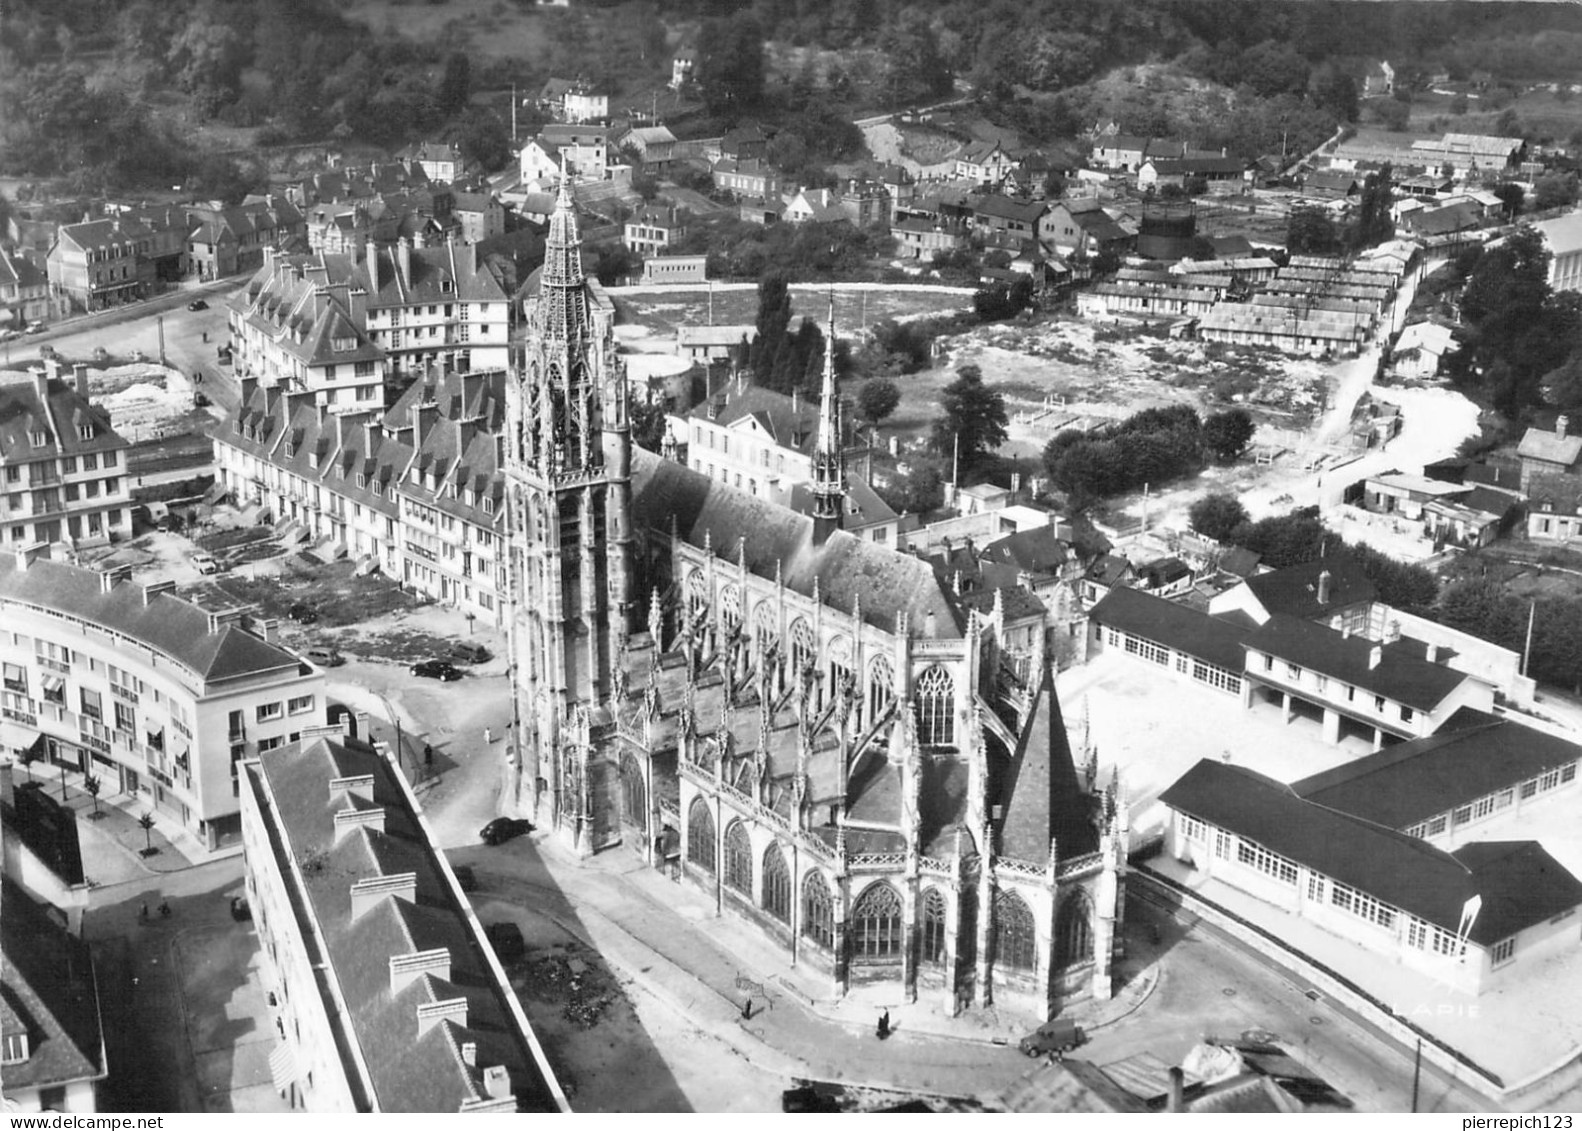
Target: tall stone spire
<point>563,309</point>
<point>829,471</point>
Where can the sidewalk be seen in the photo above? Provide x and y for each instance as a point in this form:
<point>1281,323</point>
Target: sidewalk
<point>666,936</point>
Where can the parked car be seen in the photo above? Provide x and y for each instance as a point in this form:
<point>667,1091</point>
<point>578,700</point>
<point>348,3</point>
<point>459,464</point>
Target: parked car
<point>442,670</point>
<point>240,911</point>
<point>469,653</point>
<point>324,657</point>
<point>302,614</point>
<point>197,304</point>
<point>502,829</point>
<point>507,940</point>
<point>199,400</point>
<point>206,565</point>
<point>466,878</point>
<point>1056,1037</point>
<point>35,327</point>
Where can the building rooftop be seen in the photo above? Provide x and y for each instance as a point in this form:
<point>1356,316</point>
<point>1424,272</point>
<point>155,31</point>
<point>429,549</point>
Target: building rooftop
<point>1519,883</point>
<point>1563,234</point>
<point>1294,590</point>
<point>1217,640</point>
<point>1399,675</point>
<point>341,825</point>
<point>1550,447</point>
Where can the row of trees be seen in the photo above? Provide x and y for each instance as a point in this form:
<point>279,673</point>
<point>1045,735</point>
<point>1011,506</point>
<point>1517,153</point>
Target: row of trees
<point>1485,608</point>
<point>1149,447</point>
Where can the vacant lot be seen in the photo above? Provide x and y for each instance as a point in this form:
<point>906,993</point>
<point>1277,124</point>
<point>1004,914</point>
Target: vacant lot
<point>737,304</point>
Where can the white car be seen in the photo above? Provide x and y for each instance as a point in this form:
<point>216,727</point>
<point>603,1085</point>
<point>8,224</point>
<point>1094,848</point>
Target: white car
<point>206,565</point>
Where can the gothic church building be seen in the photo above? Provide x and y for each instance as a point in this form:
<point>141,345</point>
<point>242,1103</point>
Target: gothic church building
<point>810,728</point>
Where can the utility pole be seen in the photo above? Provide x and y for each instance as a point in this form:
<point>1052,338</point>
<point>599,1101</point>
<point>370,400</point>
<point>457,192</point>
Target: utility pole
<point>513,114</point>
<point>1527,648</point>
<point>1417,1071</point>
<point>160,321</point>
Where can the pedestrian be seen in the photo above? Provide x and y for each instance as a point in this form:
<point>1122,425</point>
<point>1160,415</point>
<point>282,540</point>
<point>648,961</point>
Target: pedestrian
<point>143,913</point>
<point>747,1009</point>
<point>428,754</point>
<point>488,736</point>
<point>884,1025</point>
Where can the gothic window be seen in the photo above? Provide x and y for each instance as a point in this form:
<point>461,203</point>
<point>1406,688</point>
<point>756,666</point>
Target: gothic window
<point>818,913</point>
<point>777,884</point>
<point>766,627</point>
<point>936,708</point>
<point>876,923</point>
<point>738,859</point>
<point>933,923</point>
<point>967,929</point>
<point>698,596</point>
<point>803,652</point>
<point>731,606</point>
<point>700,835</point>
<point>838,664</point>
<point>881,688</point>
<point>1015,942</point>
<point>1073,931</point>
<point>634,794</point>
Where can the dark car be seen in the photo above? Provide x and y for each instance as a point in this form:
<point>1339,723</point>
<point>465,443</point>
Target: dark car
<point>302,614</point>
<point>239,909</point>
<point>197,304</point>
<point>466,878</point>
<point>507,940</point>
<point>502,829</point>
<point>1056,1037</point>
<point>442,670</point>
<point>469,653</point>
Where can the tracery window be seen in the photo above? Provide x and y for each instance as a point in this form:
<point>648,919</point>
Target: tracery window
<point>936,708</point>
<point>1073,931</point>
<point>932,940</point>
<point>700,835</point>
<point>818,913</point>
<point>738,859</point>
<point>1015,940</point>
<point>634,792</point>
<point>777,884</point>
<point>876,923</point>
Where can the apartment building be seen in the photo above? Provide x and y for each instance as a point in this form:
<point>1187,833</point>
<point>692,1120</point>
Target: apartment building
<point>414,492</point>
<point>156,695</point>
<point>61,463</point>
<point>387,995</point>
<point>98,264</point>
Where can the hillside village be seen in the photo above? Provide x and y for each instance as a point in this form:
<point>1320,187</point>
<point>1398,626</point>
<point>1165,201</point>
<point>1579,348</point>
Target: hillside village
<point>701,567</point>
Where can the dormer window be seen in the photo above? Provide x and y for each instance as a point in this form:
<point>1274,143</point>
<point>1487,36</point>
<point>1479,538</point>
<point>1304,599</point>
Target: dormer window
<point>488,506</point>
<point>291,449</point>
<point>362,480</point>
<point>446,286</point>
<point>14,1050</point>
<point>86,431</point>
<point>38,439</point>
<point>343,345</point>
<point>471,499</point>
<point>379,489</point>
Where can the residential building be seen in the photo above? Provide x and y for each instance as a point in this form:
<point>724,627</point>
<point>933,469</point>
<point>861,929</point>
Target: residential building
<point>480,214</point>
<point>655,144</point>
<point>98,264</point>
<point>226,241</point>
<point>749,177</point>
<point>919,238</point>
<point>415,492</point>
<point>1554,507</point>
<point>388,997</point>
<point>655,228</point>
<point>675,269</point>
<point>1127,153</point>
<point>434,306</point>
<point>440,162</point>
<point>63,465</point>
<point>746,142</point>
<point>1220,174</point>
<point>1420,349</point>
<point>155,694</point>
<point>1332,589</point>
<point>819,205</point>
<point>1546,452</point>
<point>713,343</point>
<point>995,213</point>
<point>24,291</point>
<point>985,163</point>
<point>846,847</point>
<point>1474,918</point>
<point>1080,227</point>
<point>50,1023</point>
<point>1563,237</point>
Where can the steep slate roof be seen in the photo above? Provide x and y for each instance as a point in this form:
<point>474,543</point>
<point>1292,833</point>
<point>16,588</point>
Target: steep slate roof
<point>1038,551</point>
<point>1520,884</point>
<point>408,1071</point>
<point>1039,795</point>
<point>1005,208</point>
<point>1400,676</point>
<point>845,568</point>
<point>1473,755</point>
<point>48,991</point>
<point>1218,640</point>
<point>1294,589</point>
<point>166,623</point>
<point>60,415</point>
<point>792,424</point>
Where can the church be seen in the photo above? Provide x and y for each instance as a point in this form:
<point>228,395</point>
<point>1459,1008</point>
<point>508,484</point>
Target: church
<point>812,729</point>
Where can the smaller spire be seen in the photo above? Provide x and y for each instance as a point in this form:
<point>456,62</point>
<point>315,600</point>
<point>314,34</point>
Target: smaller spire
<point>829,472</point>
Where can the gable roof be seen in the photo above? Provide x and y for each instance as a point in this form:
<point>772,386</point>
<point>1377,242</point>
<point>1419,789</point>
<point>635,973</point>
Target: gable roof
<point>1293,590</point>
<point>1542,444</point>
<point>1039,796</point>
<point>47,991</point>
<point>1400,675</point>
<point>1039,550</point>
<point>1473,754</point>
<point>1520,884</point>
<point>1218,640</point>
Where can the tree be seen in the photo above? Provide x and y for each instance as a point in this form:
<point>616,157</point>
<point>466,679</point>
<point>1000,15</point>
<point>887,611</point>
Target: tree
<point>1374,224</point>
<point>1217,516</point>
<point>1393,114</point>
<point>93,785</point>
<point>774,318</point>
<point>877,399</point>
<point>1332,89</point>
<point>914,68</point>
<point>28,755</point>
<point>1272,68</point>
<point>1309,231</point>
<point>455,84</point>
<point>1555,190</point>
<point>1511,196</point>
<point>146,821</point>
<point>974,421</point>
<point>730,68</point>
<point>1227,434</point>
<point>483,137</point>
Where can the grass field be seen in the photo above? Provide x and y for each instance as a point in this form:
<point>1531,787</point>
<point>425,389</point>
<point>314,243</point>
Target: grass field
<point>854,310</point>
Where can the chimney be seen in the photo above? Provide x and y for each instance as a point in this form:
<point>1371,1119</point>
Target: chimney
<point>368,894</point>
<point>1375,656</point>
<point>79,373</point>
<point>431,1013</point>
<point>359,786</point>
<point>407,968</point>
<point>469,1053</point>
<point>357,307</point>
<point>1432,655</point>
<point>404,257</point>
<point>497,1081</point>
<point>323,412</point>
<point>1175,1101</point>
<point>348,819</point>
<point>41,377</point>
<point>796,400</point>
<point>1561,422</point>
<point>1323,587</point>
<point>371,257</point>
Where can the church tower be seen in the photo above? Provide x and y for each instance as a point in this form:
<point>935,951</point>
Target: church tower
<point>568,471</point>
<point>829,464</point>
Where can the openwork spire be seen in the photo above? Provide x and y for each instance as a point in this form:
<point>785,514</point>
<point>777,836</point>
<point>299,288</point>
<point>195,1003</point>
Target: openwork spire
<point>563,246</point>
<point>829,473</point>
